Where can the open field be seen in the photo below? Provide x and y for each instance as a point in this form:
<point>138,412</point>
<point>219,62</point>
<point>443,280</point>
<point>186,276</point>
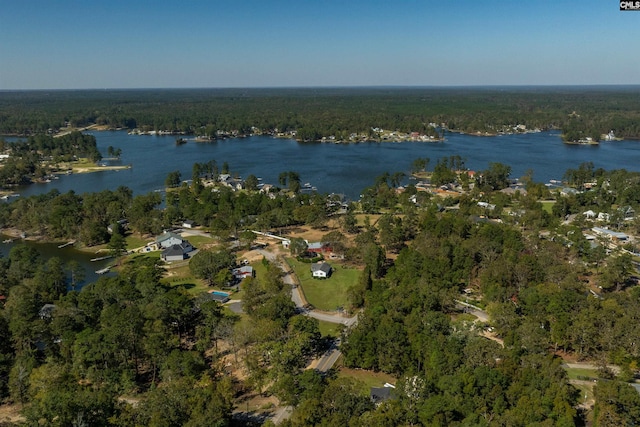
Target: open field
<point>581,373</point>
<point>325,294</point>
<point>200,242</point>
<point>367,378</point>
<point>181,276</point>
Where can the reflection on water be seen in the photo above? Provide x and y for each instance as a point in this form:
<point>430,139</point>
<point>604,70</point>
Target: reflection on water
<point>66,254</point>
<point>337,168</point>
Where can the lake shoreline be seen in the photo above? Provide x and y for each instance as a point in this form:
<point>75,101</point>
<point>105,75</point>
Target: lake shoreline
<point>17,235</point>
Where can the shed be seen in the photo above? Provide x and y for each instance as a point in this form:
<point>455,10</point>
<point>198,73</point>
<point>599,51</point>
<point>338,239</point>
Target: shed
<point>188,223</point>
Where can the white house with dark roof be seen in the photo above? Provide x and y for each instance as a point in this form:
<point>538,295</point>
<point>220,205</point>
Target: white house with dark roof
<point>166,240</point>
<point>176,253</point>
<point>321,270</point>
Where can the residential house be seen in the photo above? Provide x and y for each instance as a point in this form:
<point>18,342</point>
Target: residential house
<point>568,191</point>
<point>321,270</point>
<point>46,311</point>
<point>628,213</point>
<point>486,205</point>
<point>613,235</point>
<point>318,247</point>
<point>169,239</point>
<point>176,252</point>
<point>242,272</point>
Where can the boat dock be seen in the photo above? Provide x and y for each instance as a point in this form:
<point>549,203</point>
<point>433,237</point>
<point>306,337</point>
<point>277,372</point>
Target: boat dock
<point>101,258</point>
<point>64,245</point>
<point>103,270</point>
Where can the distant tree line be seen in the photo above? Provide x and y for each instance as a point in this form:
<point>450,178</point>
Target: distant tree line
<point>317,113</point>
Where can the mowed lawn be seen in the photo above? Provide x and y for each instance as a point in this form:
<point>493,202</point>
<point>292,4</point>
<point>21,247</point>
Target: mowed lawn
<point>367,379</point>
<point>325,294</point>
<point>547,205</point>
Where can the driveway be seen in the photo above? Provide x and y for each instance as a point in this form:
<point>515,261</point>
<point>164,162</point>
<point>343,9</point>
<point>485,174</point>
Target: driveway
<point>298,300</point>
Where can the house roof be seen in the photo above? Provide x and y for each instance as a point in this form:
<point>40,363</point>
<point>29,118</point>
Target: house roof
<point>242,271</point>
<point>175,250</point>
<point>315,245</point>
<point>46,311</point>
<point>321,266</point>
<point>166,236</point>
<point>611,233</point>
<point>379,394</point>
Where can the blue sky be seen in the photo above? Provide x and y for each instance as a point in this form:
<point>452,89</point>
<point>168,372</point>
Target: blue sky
<point>75,44</point>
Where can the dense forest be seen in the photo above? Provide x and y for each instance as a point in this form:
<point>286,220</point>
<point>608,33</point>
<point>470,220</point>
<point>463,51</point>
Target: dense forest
<point>340,112</point>
<point>135,350</point>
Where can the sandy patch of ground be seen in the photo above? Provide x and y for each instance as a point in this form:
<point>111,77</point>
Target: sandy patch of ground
<point>309,233</point>
<point>252,256</point>
<point>99,168</point>
<point>11,413</point>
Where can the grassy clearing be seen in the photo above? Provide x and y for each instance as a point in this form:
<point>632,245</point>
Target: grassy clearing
<point>547,205</point>
<point>361,219</point>
<point>585,390</point>
<point>367,378</point>
<point>181,276</point>
<point>327,294</point>
<point>574,373</point>
<point>328,329</point>
<point>199,241</point>
<point>134,241</point>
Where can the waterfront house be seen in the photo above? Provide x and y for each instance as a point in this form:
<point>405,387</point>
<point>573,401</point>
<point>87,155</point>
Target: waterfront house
<point>321,270</point>
<point>568,191</point>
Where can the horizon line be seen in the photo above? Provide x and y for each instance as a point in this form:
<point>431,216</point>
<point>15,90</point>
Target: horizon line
<point>453,86</point>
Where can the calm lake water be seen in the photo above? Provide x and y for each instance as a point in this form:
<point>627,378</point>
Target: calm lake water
<point>337,168</point>
<point>334,168</point>
<point>49,250</point>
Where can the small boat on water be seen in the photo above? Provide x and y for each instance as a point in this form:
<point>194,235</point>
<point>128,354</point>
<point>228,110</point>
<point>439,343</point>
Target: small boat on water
<point>7,241</point>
